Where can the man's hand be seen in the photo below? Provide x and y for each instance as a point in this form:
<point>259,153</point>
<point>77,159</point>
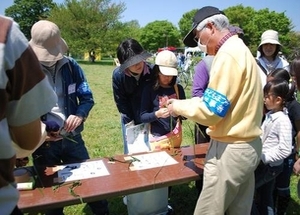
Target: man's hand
<point>72,123</point>
<point>170,107</point>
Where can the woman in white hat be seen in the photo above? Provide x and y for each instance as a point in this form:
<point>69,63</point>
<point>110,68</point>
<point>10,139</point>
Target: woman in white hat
<point>269,48</point>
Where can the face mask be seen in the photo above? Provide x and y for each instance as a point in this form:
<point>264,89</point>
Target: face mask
<point>202,47</point>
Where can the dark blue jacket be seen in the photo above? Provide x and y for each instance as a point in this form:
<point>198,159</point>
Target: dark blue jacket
<point>81,101</point>
<point>128,91</point>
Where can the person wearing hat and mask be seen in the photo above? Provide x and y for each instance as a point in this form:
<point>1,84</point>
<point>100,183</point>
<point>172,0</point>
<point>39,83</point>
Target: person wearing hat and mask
<point>231,107</point>
<point>128,82</point>
<point>75,100</point>
<point>200,82</point>
<point>269,48</point>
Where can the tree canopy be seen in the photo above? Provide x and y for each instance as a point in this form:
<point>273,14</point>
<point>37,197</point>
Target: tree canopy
<point>27,12</point>
<point>89,24</point>
<point>96,24</point>
<point>159,34</point>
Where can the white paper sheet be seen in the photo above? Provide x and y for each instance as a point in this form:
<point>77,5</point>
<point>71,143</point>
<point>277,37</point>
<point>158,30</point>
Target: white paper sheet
<point>78,171</point>
<point>151,160</point>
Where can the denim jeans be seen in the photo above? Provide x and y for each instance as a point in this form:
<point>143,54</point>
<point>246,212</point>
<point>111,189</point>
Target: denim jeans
<point>282,183</point>
<point>264,186</point>
<point>66,151</point>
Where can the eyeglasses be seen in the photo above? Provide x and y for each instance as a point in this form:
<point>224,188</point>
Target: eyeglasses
<point>196,39</point>
<point>269,95</point>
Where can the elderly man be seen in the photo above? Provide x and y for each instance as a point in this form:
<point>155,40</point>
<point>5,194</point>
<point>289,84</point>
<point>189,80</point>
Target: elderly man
<point>232,108</point>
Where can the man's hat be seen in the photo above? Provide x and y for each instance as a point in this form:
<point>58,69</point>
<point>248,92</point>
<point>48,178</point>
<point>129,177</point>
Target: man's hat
<point>200,15</point>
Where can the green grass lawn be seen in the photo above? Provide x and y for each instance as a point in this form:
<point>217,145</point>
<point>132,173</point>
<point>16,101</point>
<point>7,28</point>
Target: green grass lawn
<point>102,135</point>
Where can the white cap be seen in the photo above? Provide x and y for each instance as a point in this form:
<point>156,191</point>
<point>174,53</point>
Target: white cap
<point>167,63</point>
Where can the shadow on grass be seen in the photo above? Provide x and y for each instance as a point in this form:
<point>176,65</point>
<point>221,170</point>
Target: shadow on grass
<point>293,208</point>
<point>102,62</point>
<point>183,199</point>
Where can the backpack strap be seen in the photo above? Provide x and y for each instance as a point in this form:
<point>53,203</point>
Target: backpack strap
<point>176,91</point>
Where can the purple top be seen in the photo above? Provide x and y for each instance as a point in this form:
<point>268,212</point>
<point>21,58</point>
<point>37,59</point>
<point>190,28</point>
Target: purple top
<point>201,79</point>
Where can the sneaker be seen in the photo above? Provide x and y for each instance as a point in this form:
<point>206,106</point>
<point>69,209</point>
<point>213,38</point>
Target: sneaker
<point>170,210</point>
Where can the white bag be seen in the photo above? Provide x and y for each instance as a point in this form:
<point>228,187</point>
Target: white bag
<point>151,202</point>
<point>137,137</point>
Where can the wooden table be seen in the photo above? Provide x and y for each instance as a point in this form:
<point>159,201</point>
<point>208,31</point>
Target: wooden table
<point>121,181</point>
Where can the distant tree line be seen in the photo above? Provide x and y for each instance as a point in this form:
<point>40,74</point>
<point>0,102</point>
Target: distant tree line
<point>95,24</point>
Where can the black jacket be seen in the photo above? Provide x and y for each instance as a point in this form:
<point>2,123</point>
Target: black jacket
<point>128,91</point>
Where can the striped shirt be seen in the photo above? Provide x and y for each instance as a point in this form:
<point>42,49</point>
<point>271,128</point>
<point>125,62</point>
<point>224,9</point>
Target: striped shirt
<point>276,138</point>
<point>25,95</point>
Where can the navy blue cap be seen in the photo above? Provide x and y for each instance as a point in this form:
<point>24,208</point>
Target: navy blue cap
<point>200,15</point>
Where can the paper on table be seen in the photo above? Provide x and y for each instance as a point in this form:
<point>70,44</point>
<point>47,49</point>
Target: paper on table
<point>78,171</point>
<point>151,160</point>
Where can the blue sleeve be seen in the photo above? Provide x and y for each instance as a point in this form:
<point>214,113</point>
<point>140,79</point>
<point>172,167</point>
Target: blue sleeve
<point>121,99</point>
<point>147,105</point>
<point>83,91</point>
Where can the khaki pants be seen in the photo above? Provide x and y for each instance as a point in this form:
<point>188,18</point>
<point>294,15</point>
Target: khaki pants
<point>229,178</point>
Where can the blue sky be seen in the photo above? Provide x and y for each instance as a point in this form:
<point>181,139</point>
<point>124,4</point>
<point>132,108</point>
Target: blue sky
<point>172,10</point>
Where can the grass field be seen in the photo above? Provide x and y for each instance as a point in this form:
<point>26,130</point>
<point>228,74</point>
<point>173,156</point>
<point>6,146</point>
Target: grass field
<point>102,135</point>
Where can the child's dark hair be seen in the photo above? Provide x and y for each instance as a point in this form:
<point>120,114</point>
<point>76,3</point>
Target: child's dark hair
<point>156,78</point>
<point>278,87</point>
<point>295,70</point>
<point>281,73</point>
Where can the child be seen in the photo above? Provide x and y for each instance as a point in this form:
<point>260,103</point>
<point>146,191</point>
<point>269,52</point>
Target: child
<point>155,96</point>
<point>282,194</point>
<point>277,144</point>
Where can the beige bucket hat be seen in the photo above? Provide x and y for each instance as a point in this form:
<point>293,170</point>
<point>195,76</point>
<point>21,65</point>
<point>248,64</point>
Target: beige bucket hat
<point>46,41</point>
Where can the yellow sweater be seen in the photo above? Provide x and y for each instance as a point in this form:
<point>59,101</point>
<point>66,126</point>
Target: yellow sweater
<point>235,85</point>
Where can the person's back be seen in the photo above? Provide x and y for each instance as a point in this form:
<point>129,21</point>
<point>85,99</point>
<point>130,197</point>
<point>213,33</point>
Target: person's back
<point>18,65</point>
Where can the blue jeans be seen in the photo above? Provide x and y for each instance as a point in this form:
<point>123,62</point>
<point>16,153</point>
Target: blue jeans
<point>66,151</point>
<point>282,183</point>
<point>265,176</point>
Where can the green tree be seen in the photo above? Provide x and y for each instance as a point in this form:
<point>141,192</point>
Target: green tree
<point>159,34</point>
<point>120,32</point>
<point>186,22</point>
<point>253,23</point>
<point>27,12</point>
<point>89,24</point>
